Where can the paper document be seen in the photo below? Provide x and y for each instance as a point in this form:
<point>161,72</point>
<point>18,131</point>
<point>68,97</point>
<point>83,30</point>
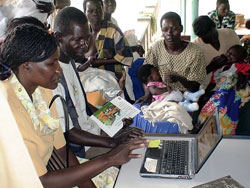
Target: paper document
<point>109,117</point>
<point>227,182</point>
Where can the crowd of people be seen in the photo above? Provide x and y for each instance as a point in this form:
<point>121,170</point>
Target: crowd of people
<point>86,56</point>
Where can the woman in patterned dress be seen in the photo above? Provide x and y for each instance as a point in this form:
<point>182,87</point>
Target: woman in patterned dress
<point>181,65</point>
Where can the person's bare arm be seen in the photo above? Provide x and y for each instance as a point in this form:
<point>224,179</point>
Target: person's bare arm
<point>92,108</point>
<point>216,63</point>
<point>139,49</point>
<point>84,66</point>
<point>147,98</point>
<point>99,62</point>
<point>192,86</point>
<point>96,63</point>
<point>81,137</point>
<point>82,174</point>
<point>45,179</point>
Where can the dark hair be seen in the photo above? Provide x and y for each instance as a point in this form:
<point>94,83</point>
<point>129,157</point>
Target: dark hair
<point>113,1</point>
<point>247,23</point>
<point>26,43</point>
<point>171,15</point>
<point>85,3</point>
<point>144,72</point>
<point>219,2</point>
<point>68,16</point>
<point>241,52</point>
<point>202,25</point>
<point>23,20</point>
<point>5,71</point>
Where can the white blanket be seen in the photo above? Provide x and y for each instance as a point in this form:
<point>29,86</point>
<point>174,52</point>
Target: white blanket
<point>19,8</point>
<point>168,111</point>
<point>94,79</point>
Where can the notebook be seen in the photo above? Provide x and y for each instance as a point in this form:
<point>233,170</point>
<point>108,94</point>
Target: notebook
<point>182,156</point>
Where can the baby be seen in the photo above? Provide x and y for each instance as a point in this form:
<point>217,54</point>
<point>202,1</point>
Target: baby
<point>149,75</point>
<point>224,66</point>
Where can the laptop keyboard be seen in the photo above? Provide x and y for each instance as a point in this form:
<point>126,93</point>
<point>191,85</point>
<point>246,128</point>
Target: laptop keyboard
<point>175,157</point>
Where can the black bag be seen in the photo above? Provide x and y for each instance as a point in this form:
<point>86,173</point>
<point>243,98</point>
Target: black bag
<point>56,162</point>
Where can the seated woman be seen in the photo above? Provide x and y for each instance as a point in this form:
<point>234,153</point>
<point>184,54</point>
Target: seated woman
<point>181,65</point>
<point>231,83</point>
<point>223,17</point>
<point>31,53</point>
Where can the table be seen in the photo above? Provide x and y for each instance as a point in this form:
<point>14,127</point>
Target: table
<point>242,31</point>
<point>231,157</point>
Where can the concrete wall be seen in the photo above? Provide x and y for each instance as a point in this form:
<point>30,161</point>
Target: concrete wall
<point>127,11</point>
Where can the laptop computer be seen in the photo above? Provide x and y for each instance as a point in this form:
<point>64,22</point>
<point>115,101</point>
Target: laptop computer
<point>182,156</point>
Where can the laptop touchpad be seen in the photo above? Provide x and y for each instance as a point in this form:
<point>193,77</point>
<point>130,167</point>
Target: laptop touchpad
<point>154,153</point>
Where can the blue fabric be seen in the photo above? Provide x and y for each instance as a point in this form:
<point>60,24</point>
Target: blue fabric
<point>137,85</point>
<point>78,150</point>
<point>158,127</point>
<point>228,101</point>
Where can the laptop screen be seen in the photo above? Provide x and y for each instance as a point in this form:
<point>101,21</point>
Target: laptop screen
<point>207,139</point>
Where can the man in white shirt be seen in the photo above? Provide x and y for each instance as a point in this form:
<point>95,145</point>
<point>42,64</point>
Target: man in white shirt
<point>73,36</point>
<point>77,97</point>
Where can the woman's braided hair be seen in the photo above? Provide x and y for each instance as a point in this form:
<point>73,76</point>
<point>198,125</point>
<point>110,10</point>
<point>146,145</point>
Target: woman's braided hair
<point>26,43</point>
